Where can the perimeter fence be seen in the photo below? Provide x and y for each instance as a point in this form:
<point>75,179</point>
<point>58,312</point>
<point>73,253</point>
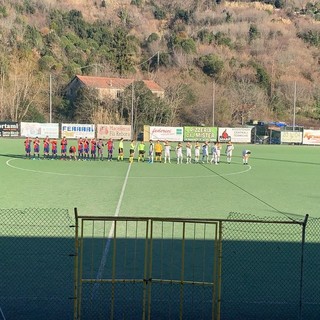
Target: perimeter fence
<point>36,263</point>
<point>269,268</point>
<point>243,267</point>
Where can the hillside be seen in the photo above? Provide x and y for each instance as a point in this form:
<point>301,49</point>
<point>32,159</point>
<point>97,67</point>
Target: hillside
<point>253,60</point>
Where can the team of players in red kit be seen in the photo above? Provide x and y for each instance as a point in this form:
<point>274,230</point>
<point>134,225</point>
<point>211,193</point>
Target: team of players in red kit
<point>87,149</point>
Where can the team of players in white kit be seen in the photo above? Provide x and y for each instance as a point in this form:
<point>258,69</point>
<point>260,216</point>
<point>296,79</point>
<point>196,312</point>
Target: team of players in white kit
<point>205,156</point>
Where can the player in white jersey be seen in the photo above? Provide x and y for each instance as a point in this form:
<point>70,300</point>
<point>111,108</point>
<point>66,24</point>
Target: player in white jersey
<point>179,153</point>
<point>188,149</point>
<point>214,154</point>
<point>167,149</point>
<point>196,152</point>
<point>151,152</point>
<point>229,150</point>
<point>245,156</point>
<point>205,152</point>
<point>218,151</point>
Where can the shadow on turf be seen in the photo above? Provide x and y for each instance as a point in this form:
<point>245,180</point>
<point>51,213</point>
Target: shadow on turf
<point>287,161</point>
<point>15,156</point>
<point>260,280</point>
<point>36,278</point>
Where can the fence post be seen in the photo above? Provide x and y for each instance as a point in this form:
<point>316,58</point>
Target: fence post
<point>76,248</point>
<point>219,270</point>
<point>303,240</point>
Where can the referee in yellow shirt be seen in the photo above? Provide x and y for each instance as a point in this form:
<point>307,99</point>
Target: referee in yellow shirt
<point>158,150</point>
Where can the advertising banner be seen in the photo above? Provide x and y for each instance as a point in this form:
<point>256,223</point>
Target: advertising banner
<point>76,131</point>
<point>200,133</point>
<point>107,131</point>
<point>9,129</point>
<point>240,135</point>
<point>291,137</point>
<point>40,130</point>
<point>311,137</point>
<point>166,133</point>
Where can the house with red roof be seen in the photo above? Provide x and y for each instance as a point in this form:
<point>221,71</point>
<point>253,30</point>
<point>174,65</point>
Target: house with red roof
<point>107,87</point>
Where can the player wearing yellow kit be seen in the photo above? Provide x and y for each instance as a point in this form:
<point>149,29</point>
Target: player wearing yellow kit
<point>158,150</point>
<point>141,149</point>
<point>120,150</point>
<point>131,150</point>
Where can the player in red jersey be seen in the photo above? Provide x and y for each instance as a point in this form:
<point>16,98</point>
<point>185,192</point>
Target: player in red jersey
<point>93,144</point>
<point>46,146</point>
<point>110,149</point>
<point>36,148</point>
<point>80,149</point>
<point>27,147</point>
<point>64,144</point>
<point>73,153</point>
<point>54,149</point>
<point>86,148</point>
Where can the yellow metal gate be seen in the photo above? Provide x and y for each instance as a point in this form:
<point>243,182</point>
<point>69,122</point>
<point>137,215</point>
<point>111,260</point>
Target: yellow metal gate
<point>147,268</point>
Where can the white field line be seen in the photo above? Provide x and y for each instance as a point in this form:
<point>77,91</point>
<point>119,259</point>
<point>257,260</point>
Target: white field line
<point>4,318</point>
<point>110,236</point>
<point>115,177</point>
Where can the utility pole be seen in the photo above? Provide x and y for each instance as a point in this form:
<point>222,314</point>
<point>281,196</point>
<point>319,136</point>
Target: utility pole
<point>213,99</point>
<point>294,105</point>
<point>132,105</point>
<point>50,98</point>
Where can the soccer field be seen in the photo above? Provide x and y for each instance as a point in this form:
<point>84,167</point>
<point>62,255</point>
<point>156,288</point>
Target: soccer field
<point>279,180</point>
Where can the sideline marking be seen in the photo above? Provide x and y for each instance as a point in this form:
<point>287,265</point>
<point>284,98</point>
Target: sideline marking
<point>115,177</point>
<point>4,318</point>
<point>110,236</point>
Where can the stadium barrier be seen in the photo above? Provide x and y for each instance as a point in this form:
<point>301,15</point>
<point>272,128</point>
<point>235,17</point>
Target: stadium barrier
<point>243,267</point>
<point>141,268</point>
<point>271,133</point>
<point>36,263</point>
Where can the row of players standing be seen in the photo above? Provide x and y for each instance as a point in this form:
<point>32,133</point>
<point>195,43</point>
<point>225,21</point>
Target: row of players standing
<point>216,148</point>
<point>215,152</point>
<point>88,149</point>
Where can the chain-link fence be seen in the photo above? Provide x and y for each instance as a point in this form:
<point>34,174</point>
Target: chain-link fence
<point>245,267</point>
<point>269,268</point>
<point>36,263</point>
<point>141,268</point>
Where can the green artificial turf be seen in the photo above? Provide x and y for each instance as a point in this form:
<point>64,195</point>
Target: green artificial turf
<point>279,180</point>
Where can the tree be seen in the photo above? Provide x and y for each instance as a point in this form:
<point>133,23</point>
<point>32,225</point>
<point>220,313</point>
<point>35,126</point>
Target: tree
<point>211,65</point>
<point>22,91</point>
<point>123,48</point>
<point>247,101</point>
<point>147,108</point>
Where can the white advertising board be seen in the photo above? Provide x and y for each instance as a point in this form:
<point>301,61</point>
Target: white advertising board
<point>166,133</point>
<point>75,131</point>
<point>311,137</point>
<point>240,135</point>
<point>107,131</point>
<point>291,137</point>
<point>40,130</point>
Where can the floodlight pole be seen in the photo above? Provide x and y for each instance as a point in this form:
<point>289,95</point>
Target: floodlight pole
<point>50,98</point>
<point>294,105</point>
<point>213,99</point>
<point>132,104</point>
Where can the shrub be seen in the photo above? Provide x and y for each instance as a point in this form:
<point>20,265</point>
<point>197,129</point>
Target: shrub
<point>211,65</point>
<point>153,37</point>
